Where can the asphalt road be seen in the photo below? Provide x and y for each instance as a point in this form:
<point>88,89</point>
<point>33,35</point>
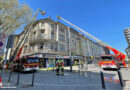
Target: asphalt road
<point>86,80</point>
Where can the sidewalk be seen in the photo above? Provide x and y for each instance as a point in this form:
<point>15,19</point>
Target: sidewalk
<point>65,68</point>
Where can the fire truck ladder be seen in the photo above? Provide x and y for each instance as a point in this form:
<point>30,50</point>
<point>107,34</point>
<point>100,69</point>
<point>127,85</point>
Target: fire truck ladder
<point>21,43</point>
<point>98,40</point>
<point>119,55</point>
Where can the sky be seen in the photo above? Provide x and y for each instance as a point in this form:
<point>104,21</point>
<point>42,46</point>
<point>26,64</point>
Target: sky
<point>104,19</point>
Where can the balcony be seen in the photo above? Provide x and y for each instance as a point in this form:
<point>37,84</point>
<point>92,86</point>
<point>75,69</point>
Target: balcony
<point>44,50</point>
<point>40,38</point>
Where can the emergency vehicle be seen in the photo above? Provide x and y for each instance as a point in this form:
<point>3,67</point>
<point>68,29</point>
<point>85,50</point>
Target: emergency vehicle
<point>108,61</point>
<point>26,64</point>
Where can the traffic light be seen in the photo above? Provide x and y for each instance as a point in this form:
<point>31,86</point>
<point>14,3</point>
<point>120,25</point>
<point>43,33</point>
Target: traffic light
<point>72,52</point>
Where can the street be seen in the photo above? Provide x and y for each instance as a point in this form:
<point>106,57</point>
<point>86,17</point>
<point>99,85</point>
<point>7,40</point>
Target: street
<point>85,80</point>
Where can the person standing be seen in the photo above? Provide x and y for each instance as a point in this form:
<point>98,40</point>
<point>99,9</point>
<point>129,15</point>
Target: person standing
<point>58,67</point>
<point>62,67</point>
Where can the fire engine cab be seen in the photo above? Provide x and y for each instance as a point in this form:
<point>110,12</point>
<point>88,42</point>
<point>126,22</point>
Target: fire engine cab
<point>108,61</point>
<point>26,64</point>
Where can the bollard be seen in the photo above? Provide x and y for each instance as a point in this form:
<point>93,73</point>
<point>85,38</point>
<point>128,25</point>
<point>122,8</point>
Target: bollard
<point>18,79</point>
<point>53,68</point>
<point>33,80</point>
<point>102,80</point>
<point>10,76</point>
<point>70,65</point>
<point>120,78</point>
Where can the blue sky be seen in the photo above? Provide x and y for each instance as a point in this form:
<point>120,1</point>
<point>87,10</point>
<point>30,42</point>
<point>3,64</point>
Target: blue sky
<point>105,19</point>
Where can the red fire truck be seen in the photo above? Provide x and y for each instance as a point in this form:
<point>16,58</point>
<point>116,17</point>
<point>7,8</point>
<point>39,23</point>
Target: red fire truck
<point>26,64</point>
<point>108,61</point>
<point>115,60</point>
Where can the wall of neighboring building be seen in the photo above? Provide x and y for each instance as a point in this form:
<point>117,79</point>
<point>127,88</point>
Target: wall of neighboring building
<point>127,35</point>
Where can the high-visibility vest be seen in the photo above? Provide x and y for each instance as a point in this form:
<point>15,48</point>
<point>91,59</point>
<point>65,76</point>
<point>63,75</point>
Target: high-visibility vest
<point>62,64</point>
<point>58,64</point>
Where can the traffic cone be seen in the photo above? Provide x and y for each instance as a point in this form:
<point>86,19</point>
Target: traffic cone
<point>117,81</point>
<point>110,79</point>
<point>1,84</point>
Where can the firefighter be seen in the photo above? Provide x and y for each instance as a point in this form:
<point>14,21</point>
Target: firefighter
<point>58,67</point>
<point>62,67</point>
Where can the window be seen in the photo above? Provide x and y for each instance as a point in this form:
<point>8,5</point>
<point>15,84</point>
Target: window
<point>34,33</point>
<point>73,35</point>
<point>61,37</point>
<point>52,35</point>
<point>62,47</point>
<point>56,46</point>
<point>42,31</point>
<point>56,49</point>
<point>42,25</point>
<point>68,41</point>
<point>52,46</point>
<point>62,30</point>
<point>41,45</point>
<point>73,43</point>
<point>52,25</point>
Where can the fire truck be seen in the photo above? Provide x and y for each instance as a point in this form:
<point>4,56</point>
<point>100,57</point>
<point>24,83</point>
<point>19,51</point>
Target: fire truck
<point>111,61</point>
<point>26,64</point>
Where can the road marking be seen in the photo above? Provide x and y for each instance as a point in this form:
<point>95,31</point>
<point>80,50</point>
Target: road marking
<point>66,74</point>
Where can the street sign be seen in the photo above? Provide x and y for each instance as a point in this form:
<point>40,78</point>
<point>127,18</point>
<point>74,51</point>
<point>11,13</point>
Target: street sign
<point>2,35</point>
<point>3,39</point>
<point>1,44</point>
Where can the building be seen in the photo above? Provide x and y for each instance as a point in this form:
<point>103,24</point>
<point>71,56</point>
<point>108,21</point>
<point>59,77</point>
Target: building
<point>127,35</point>
<point>51,40</point>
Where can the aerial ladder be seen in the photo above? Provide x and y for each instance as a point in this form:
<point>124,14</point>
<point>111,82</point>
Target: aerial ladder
<point>19,47</point>
<point>119,56</point>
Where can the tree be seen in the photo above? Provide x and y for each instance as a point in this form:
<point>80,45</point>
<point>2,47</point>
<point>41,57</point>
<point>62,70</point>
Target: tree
<point>13,15</point>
